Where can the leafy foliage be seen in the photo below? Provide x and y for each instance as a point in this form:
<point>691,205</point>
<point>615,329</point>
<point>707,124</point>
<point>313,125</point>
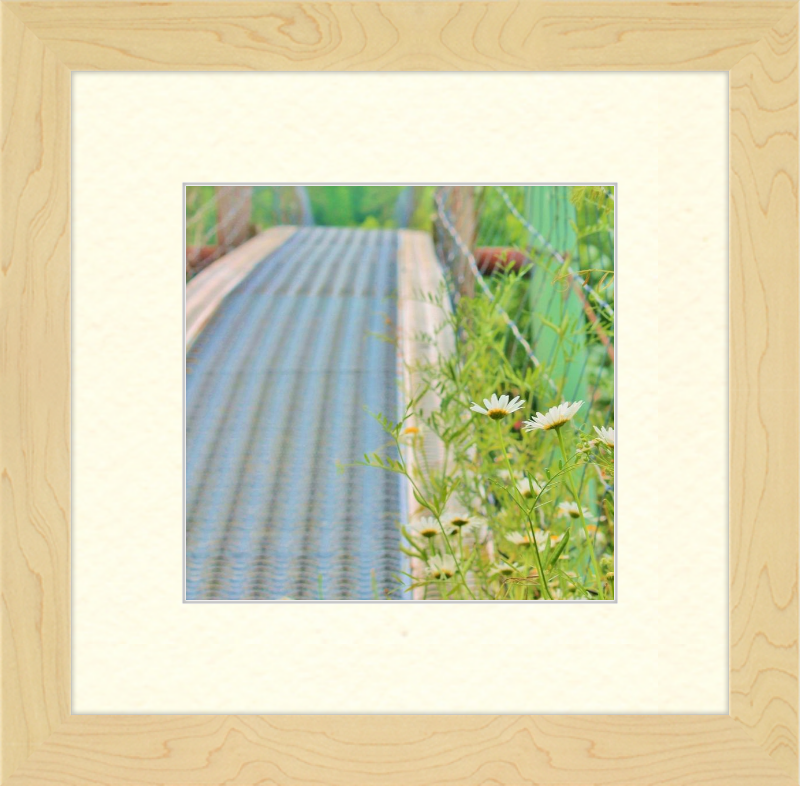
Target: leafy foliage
<point>512,489</point>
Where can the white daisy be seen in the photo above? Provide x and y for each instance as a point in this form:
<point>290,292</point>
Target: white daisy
<point>520,482</point>
<point>498,408</point>
<point>427,526</point>
<point>504,569</point>
<point>529,489</point>
<point>543,537</point>
<point>571,509</point>
<point>442,566</point>
<point>594,534</point>
<point>458,517</point>
<point>519,538</point>
<point>606,436</point>
<point>555,417</point>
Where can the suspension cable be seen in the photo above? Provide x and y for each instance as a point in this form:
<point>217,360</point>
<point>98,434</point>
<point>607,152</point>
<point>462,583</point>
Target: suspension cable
<point>470,257</point>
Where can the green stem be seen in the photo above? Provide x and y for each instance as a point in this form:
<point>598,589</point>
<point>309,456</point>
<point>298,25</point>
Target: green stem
<point>505,454</point>
<point>453,555</point>
<point>534,544</point>
<point>436,516</point>
<point>542,580</point>
<point>589,542</point>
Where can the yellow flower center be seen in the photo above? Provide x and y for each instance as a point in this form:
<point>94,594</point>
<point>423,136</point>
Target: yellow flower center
<point>497,414</point>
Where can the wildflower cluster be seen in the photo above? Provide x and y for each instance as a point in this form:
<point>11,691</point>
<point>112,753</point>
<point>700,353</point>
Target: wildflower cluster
<point>508,500</point>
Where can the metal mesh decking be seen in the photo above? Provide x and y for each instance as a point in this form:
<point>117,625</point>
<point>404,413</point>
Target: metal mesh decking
<point>276,390</point>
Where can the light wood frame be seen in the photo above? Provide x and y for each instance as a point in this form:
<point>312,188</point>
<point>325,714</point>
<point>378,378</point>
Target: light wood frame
<point>42,743</point>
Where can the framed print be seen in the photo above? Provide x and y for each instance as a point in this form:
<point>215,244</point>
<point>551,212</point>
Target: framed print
<point>324,526</point>
<point>54,59</point>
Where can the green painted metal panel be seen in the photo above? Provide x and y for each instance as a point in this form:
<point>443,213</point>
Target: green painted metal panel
<point>558,326</point>
<point>558,323</point>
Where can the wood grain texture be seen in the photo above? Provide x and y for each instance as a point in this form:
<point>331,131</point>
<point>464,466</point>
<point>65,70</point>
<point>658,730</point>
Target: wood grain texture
<point>35,385</point>
<point>764,392</point>
<point>415,36</point>
<point>42,743</point>
<point>401,751</point>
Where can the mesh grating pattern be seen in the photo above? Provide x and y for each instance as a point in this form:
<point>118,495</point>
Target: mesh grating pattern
<point>276,390</point>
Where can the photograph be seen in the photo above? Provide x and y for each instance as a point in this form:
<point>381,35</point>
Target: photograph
<point>399,392</point>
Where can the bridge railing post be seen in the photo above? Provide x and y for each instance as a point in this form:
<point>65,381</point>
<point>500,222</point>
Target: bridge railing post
<point>462,209</point>
<point>234,206</point>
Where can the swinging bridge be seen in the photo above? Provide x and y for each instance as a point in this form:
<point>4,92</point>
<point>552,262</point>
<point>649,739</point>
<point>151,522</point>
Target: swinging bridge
<point>285,366</point>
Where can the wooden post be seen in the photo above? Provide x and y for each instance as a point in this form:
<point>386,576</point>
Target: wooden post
<point>234,204</point>
<point>462,205</point>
